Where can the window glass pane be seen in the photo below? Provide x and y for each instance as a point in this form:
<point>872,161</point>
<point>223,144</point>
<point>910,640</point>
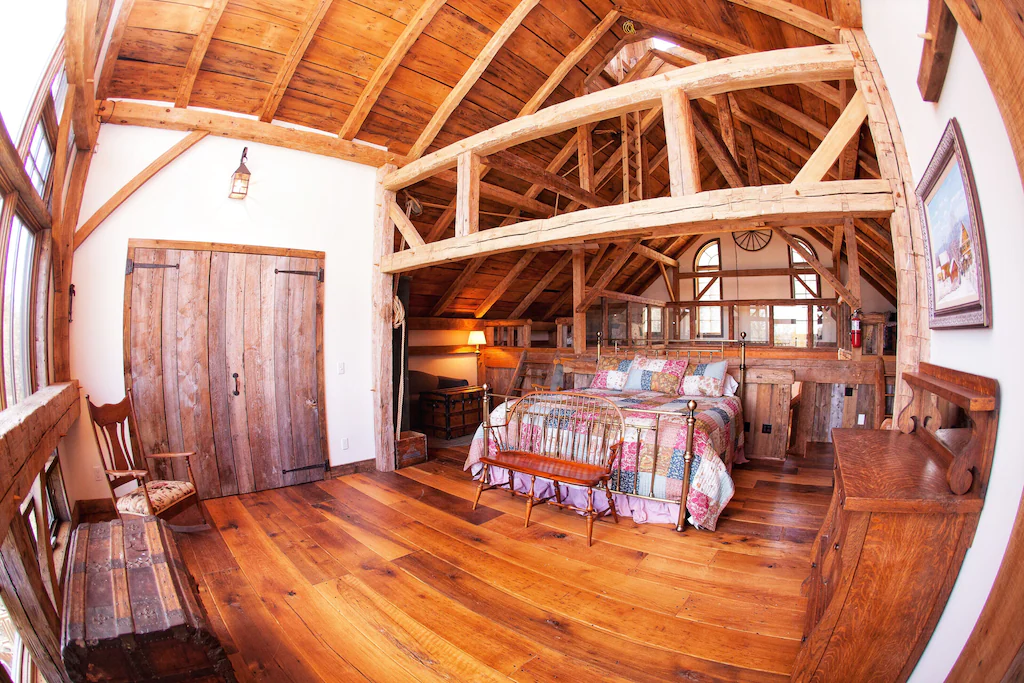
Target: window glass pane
<point>709,321</point>
<point>617,321</point>
<point>805,286</point>
<point>638,323</point>
<point>17,319</point>
<point>39,159</point>
<point>791,326</point>
<point>656,322</point>
<point>754,321</point>
<point>708,257</point>
<point>825,329</point>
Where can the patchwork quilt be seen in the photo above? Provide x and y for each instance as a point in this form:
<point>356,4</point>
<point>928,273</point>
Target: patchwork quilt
<point>651,463</point>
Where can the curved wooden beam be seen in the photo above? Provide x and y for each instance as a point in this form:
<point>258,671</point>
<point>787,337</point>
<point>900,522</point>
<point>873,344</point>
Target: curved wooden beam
<point>777,67</point>
<point>199,47</point>
<point>794,15</point>
<point>706,212</point>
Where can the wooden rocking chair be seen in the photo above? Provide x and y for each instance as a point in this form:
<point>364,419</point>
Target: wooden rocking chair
<point>116,430</point>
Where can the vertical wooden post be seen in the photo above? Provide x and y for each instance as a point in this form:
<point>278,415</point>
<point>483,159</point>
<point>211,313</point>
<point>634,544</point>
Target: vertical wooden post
<point>643,165</point>
<point>683,165</point>
<point>467,197</point>
<point>579,283</point>
<point>624,146</point>
<point>381,343</point>
<point>853,263</point>
<point>585,157</point>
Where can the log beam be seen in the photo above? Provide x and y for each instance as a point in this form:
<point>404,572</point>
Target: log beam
<point>846,126</point>
<point>716,148</point>
<point>80,64</point>
<point>681,143</point>
<point>812,260</point>
<point>291,61</point>
<point>794,15</point>
<point>707,212</point>
<point>541,285</point>
<point>381,343</point>
<point>579,319</point>
<point>225,125</point>
<point>404,225</point>
<point>457,286</point>
<point>938,45</point>
<point>625,251</point>
<point>508,163</point>
<point>506,282</point>
<point>199,47</point>
<point>776,67</point>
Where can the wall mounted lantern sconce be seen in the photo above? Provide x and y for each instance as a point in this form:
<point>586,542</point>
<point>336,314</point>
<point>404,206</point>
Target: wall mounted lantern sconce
<point>240,179</point>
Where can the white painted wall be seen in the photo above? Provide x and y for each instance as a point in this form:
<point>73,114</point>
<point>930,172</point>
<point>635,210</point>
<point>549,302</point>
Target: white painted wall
<point>892,29</point>
<point>297,200</point>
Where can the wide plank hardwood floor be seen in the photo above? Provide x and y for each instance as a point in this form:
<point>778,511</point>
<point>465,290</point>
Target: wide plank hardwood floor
<point>393,577</point>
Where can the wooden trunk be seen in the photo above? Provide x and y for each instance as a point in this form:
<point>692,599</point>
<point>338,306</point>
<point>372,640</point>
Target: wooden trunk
<point>132,611</point>
<point>223,351</point>
<point>451,413</point>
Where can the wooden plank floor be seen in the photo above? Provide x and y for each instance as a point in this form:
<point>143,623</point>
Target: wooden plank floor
<point>393,577</point>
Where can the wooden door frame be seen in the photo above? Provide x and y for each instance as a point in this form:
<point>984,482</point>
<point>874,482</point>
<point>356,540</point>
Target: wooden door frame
<point>319,256</point>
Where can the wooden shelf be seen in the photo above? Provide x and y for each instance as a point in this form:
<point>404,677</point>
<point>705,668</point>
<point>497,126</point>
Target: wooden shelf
<point>886,471</point>
<point>968,399</point>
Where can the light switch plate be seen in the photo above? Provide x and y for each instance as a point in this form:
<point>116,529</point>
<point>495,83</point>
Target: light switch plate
<point>341,368</point>
<point>861,419</point>
<point>344,444</point>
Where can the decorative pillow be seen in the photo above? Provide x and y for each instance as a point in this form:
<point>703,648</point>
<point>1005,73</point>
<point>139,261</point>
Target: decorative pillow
<point>731,385</point>
<point>656,374</point>
<point>704,379</point>
<point>611,374</point>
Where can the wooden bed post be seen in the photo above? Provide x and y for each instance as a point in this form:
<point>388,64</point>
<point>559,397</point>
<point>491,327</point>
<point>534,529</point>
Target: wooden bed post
<point>381,343</point>
<point>691,422</point>
<point>743,364</point>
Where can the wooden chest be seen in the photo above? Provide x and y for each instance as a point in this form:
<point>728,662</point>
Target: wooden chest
<point>451,413</point>
<point>131,610</point>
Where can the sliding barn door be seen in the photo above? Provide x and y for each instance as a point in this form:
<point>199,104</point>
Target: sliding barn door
<point>222,353</point>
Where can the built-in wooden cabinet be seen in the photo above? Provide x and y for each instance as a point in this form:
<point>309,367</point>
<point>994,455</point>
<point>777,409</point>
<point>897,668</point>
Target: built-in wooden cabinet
<point>223,354</point>
<point>903,512</point>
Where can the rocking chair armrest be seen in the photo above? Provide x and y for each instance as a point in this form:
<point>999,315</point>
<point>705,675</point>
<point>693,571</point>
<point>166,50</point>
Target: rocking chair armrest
<point>169,456</point>
<point>137,474</point>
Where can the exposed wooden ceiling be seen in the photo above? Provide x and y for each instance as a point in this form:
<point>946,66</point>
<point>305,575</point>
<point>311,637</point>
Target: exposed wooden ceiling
<point>416,76</point>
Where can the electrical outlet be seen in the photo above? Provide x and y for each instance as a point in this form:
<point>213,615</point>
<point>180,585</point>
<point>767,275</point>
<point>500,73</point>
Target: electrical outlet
<point>344,444</point>
<point>746,426</point>
<point>861,419</point>
<point>341,368</point>
<point>766,429</point>
<point>849,391</point>
<point>97,473</point>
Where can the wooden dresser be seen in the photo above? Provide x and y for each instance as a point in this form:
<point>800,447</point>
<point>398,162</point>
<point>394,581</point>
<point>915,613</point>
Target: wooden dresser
<point>895,534</point>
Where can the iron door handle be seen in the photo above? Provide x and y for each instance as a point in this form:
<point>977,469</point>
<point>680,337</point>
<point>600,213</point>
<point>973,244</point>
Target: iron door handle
<point>235,376</point>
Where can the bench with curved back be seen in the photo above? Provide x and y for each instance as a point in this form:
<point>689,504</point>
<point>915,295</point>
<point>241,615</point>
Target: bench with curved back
<point>567,437</point>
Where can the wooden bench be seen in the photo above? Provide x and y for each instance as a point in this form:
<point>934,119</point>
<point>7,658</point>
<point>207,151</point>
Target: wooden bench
<point>567,437</point>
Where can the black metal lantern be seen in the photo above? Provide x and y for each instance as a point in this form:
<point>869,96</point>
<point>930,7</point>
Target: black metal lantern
<point>240,179</point>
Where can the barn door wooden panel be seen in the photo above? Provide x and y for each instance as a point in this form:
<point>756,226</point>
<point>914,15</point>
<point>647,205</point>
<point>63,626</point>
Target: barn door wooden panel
<point>224,356</point>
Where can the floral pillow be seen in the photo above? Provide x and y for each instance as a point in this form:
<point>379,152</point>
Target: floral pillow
<point>611,374</point>
<point>704,379</point>
<point>656,374</point>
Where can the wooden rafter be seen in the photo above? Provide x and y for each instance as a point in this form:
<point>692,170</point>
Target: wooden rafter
<point>198,53</point>
<point>225,125</point>
<point>469,79</point>
<point>292,59</point>
<point>506,282</point>
<point>716,148</point>
<point>819,268</point>
<point>510,164</point>
<point>710,78</point>
<point>625,251</point>
<point>467,195</point>
<point>568,63</point>
<point>794,15</point>
<point>386,69</point>
<point>12,170</point>
<point>846,126</point>
<point>499,194</point>
<point>457,286</point>
<point>938,45</point>
<point>114,49</point>
<point>848,157</point>
<point>579,318</point>
<point>654,255</point>
<point>129,188</point>
<point>541,285</point>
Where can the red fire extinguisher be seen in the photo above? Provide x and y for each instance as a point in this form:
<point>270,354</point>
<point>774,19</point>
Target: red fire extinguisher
<point>855,329</point>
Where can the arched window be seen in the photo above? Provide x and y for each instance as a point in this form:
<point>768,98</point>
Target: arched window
<point>804,285</point>
<point>709,318</point>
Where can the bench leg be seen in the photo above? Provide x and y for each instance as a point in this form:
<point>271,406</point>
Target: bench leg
<point>611,504</point>
<point>529,500</point>
<point>480,486</point>
<point>590,516</point>
<point>558,492</point>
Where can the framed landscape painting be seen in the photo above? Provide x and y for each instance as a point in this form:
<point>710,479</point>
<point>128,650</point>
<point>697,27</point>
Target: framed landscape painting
<point>954,238</point>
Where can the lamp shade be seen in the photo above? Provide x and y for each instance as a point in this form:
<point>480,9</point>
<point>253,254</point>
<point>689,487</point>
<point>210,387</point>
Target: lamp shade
<point>477,337</point>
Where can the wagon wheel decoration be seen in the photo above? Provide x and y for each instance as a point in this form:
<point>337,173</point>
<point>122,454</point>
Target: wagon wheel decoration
<point>752,240</point>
